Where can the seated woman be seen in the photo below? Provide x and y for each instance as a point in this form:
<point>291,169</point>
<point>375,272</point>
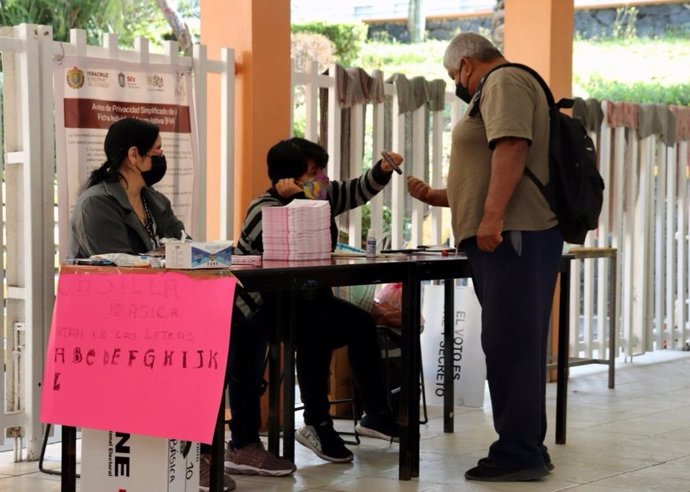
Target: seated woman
<point>119,212</point>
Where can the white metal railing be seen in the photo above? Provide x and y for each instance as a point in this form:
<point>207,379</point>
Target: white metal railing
<point>367,141</point>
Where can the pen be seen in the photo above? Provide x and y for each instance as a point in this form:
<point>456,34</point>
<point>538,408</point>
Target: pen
<point>391,161</point>
<point>406,250</point>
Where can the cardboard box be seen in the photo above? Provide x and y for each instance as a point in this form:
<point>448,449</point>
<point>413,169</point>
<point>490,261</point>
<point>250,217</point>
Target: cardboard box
<point>195,255</point>
<point>116,462</point>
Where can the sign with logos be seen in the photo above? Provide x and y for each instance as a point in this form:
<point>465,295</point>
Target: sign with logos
<point>138,351</point>
<point>122,462</point>
<point>91,94</point>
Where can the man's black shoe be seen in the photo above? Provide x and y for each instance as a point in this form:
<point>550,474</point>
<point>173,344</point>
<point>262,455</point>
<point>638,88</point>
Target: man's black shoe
<point>486,471</point>
<point>549,465</point>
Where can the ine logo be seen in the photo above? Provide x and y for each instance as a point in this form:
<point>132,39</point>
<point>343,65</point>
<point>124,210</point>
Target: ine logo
<point>122,455</point>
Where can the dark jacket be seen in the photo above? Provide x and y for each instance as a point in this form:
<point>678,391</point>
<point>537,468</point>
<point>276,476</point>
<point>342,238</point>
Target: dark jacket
<point>103,221</point>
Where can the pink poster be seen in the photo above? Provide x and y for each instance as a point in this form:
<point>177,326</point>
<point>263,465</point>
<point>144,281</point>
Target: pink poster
<point>142,352</point>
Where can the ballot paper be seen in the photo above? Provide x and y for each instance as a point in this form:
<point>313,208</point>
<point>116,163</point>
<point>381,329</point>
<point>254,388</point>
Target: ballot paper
<point>300,230</point>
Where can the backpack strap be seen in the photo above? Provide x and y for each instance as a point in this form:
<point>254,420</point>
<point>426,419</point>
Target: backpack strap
<point>562,103</point>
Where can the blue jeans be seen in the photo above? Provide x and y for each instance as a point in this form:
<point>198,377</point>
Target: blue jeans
<point>515,286</point>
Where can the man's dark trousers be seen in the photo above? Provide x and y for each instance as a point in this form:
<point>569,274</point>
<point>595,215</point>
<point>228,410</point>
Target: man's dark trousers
<point>515,285</point>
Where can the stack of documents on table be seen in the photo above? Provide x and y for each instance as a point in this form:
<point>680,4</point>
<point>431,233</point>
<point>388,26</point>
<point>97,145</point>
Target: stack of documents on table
<point>298,231</point>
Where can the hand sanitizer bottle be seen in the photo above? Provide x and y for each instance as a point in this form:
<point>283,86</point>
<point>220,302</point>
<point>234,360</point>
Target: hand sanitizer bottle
<point>371,243</point>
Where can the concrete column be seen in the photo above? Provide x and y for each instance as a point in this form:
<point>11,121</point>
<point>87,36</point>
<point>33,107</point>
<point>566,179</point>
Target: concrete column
<point>259,31</point>
<point>539,33</point>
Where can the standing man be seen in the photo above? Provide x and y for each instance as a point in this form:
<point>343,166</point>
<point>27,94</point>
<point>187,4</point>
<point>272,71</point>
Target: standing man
<point>512,240</point>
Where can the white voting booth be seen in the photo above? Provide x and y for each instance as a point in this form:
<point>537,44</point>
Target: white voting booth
<point>469,366</point>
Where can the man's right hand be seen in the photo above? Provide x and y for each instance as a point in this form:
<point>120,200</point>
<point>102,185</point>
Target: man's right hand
<point>418,189</point>
<point>424,193</point>
<point>288,187</point>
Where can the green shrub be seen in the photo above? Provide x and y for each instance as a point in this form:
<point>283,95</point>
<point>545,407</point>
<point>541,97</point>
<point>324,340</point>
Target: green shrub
<point>636,92</point>
<point>347,38</point>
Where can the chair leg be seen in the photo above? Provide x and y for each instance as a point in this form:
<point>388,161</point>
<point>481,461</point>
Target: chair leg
<point>355,413</point>
<point>42,455</point>
<point>386,369</point>
<point>390,392</point>
<point>423,388</point>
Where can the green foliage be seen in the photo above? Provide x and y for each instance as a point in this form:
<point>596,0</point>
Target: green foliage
<point>347,38</point>
<point>366,221</point>
<point>425,59</point>
<point>642,70</point>
<point>128,18</point>
<point>63,15</point>
<point>637,92</point>
<point>299,125</point>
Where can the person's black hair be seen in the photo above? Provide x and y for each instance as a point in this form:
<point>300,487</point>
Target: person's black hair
<point>123,135</point>
<point>290,158</point>
<point>312,151</point>
<point>285,160</point>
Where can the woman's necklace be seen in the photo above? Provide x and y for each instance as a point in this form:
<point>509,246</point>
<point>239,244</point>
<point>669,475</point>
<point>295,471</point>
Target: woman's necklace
<point>149,224</point>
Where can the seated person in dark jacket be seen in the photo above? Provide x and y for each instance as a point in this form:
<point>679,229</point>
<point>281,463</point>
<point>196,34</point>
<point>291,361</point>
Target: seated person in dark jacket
<point>324,322</point>
<point>119,212</point>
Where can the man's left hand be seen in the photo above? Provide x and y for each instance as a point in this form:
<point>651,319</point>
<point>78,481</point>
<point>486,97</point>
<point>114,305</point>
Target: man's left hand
<point>489,234</point>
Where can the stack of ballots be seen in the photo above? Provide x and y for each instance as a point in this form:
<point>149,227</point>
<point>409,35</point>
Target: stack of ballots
<point>300,230</point>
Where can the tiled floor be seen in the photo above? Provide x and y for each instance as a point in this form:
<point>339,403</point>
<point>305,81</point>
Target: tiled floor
<point>633,438</point>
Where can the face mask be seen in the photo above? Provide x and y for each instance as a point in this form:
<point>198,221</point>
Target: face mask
<point>158,168</point>
<point>462,92</point>
<point>317,188</point>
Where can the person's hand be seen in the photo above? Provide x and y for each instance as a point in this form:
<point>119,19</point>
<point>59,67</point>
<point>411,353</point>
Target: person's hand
<point>397,158</point>
<point>489,234</point>
<point>287,187</point>
<point>418,189</point>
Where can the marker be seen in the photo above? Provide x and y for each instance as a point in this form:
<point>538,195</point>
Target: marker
<point>391,161</point>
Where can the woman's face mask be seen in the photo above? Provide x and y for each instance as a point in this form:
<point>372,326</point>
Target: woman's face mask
<point>158,168</point>
<point>316,188</point>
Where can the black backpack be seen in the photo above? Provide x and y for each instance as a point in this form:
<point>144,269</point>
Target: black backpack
<point>575,190</point>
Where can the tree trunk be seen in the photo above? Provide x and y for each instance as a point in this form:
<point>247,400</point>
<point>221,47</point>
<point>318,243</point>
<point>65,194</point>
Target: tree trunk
<point>180,29</point>
<point>416,21</point>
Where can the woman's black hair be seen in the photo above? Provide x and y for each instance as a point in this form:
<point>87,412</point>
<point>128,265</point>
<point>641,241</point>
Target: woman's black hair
<point>122,135</point>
